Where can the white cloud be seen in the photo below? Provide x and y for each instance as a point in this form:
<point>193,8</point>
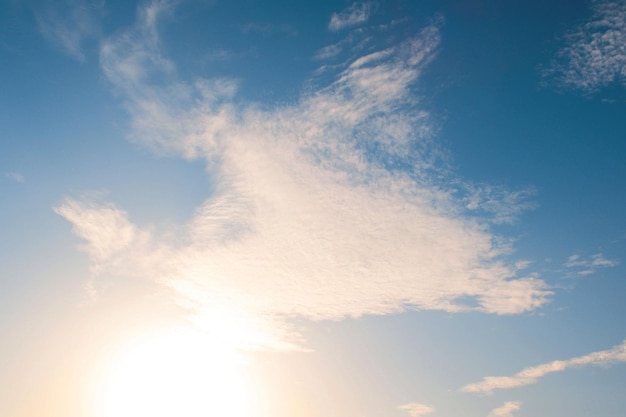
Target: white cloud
<point>357,13</point>
<point>315,213</point>
<point>594,55</point>
<point>590,265</point>
<point>416,409</point>
<point>506,410</point>
<point>67,24</point>
<point>15,176</point>
<point>532,375</point>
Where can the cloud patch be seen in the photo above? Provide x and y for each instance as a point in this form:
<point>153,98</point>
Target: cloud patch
<point>329,51</point>
<point>506,410</point>
<point>356,14</point>
<point>532,375</point>
<point>106,228</point>
<point>589,266</point>
<point>332,207</point>
<point>594,56</point>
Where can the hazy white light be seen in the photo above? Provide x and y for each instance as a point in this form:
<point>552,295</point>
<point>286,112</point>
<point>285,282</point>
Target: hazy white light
<point>179,373</point>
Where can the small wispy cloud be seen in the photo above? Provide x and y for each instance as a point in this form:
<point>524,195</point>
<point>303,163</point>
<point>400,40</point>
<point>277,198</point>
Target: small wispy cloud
<point>329,51</point>
<point>416,409</point>
<point>587,266</point>
<point>15,176</point>
<point>352,44</point>
<point>355,14</point>
<point>331,207</point>
<point>224,55</point>
<point>269,28</point>
<point>594,54</point>
<point>532,375</point>
<point>68,23</point>
<point>506,410</point>
<point>502,205</point>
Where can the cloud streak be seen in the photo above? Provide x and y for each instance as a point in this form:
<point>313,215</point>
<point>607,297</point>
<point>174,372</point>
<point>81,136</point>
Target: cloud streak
<point>594,54</point>
<point>590,265</point>
<point>327,208</point>
<point>532,375</point>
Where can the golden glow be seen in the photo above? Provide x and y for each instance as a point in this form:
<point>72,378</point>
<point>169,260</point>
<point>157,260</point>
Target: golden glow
<point>178,372</point>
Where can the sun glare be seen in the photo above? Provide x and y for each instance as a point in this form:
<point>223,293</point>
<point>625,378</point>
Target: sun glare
<point>178,372</point>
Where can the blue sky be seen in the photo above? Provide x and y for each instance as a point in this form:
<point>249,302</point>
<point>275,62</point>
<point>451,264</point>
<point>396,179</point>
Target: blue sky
<point>338,209</point>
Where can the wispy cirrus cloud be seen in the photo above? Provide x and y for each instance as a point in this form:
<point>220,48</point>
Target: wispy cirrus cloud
<point>353,15</point>
<point>225,55</point>
<point>593,56</point>
<point>506,410</point>
<point>329,51</point>
<point>334,206</point>
<point>269,28</point>
<point>68,23</point>
<point>502,205</point>
<point>416,409</point>
<point>15,176</point>
<point>352,44</point>
<point>587,266</point>
<point>532,375</point>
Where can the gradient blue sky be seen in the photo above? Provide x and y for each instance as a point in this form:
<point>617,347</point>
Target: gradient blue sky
<point>390,208</point>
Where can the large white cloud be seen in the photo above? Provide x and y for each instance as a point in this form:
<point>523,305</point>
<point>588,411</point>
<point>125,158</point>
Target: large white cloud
<point>328,208</point>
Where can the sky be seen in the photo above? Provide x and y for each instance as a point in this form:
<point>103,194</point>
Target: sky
<point>268,208</point>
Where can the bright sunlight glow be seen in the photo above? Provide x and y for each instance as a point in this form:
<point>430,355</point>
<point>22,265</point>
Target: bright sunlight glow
<point>178,372</point>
